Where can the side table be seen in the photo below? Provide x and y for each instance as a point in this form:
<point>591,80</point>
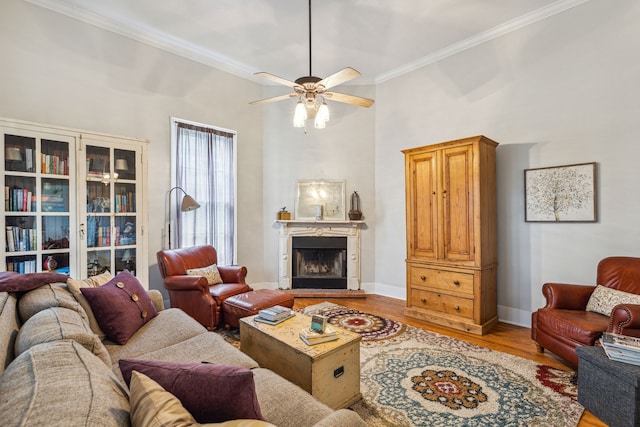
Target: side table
<point>607,388</point>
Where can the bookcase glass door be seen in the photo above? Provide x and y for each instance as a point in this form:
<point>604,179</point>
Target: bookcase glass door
<point>39,204</point>
<point>111,216</point>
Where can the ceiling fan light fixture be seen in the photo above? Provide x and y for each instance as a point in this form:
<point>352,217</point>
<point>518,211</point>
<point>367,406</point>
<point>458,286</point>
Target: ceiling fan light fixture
<point>322,116</point>
<point>300,115</point>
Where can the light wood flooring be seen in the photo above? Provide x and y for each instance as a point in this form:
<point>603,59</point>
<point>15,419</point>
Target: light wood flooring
<point>504,337</point>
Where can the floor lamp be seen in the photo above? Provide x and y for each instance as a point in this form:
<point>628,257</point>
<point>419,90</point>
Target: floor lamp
<point>188,204</point>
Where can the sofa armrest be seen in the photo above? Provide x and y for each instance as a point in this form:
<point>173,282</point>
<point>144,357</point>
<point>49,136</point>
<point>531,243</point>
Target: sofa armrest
<point>233,273</point>
<point>157,299</point>
<point>186,283</point>
<point>567,296</point>
<point>624,316</point>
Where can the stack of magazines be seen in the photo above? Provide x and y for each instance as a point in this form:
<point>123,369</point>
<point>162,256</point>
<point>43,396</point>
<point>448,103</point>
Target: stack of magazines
<point>621,348</point>
<point>311,337</point>
<point>274,315</point>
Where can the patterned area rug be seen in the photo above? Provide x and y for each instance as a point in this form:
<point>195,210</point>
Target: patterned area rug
<point>413,377</point>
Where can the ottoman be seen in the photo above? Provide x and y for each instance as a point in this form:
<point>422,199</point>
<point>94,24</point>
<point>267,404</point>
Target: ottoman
<point>607,388</point>
<point>249,303</point>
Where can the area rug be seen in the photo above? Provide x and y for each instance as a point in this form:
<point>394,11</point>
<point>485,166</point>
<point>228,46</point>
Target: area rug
<point>413,377</point>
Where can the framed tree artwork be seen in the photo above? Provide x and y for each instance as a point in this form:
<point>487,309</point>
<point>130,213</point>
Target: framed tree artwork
<point>561,194</point>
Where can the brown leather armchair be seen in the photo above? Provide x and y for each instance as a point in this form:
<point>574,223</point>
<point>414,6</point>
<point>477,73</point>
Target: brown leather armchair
<point>563,323</point>
<point>193,294</point>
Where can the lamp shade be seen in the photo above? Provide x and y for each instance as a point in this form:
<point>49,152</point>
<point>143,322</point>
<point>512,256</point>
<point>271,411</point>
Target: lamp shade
<point>188,204</point>
<point>13,154</point>
<point>121,165</point>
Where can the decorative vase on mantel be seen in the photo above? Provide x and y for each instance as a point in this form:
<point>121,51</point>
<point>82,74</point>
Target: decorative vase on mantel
<point>354,213</point>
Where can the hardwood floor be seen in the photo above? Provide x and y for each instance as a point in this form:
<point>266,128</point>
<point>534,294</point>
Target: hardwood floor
<point>504,337</point>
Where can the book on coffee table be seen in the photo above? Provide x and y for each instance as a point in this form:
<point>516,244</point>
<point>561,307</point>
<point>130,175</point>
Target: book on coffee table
<point>274,322</point>
<point>311,337</point>
<point>275,313</point>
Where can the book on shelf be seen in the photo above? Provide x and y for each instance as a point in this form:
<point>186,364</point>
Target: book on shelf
<point>274,313</point>
<point>311,337</point>
<point>273,322</point>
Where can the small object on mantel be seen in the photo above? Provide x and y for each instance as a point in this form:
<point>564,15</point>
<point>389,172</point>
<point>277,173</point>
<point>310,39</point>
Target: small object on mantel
<point>355,214</point>
<point>283,214</point>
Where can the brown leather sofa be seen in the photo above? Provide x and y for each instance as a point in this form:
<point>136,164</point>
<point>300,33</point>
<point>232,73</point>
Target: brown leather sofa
<point>564,324</point>
<point>192,294</point>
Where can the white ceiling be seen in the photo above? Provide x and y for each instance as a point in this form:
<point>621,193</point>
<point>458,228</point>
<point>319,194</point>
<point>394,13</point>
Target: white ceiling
<point>380,38</point>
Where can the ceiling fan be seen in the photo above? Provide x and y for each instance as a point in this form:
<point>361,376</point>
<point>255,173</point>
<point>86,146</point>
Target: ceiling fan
<point>313,91</point>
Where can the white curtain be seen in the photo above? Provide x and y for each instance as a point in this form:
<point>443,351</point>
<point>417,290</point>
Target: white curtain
<point>205,170</point>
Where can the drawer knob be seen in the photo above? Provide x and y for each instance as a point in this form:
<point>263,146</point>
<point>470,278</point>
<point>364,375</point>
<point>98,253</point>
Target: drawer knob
<point>456,282</point>
<point>456,308</point>
<point>423,300</point>
<point>423,278</point>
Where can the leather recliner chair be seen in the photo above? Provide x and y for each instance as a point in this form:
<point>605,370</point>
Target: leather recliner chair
<point>193,294</point>
<point>564,324</point>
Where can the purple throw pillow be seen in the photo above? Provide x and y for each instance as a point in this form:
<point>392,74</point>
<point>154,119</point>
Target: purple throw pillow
<point>211,393</point>
<point>121,306</point>
<point>10,281</point>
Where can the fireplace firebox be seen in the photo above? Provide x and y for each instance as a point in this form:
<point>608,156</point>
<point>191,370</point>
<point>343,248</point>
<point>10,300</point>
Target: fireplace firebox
<point>319,262</point>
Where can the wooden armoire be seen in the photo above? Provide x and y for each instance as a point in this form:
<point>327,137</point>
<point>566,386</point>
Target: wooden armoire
<point>451,233</point>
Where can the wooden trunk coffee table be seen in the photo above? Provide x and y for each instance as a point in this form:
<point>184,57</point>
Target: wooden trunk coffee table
<point>330,371</point>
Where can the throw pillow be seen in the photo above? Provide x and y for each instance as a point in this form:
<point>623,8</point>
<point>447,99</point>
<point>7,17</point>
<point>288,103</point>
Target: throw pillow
<point>153,406</point>
<point>10,281</point>
<point>120,306</point>
<point>211,393</point>
<point>210,273</point>
<point>74,287</point>
<point>603,299</point>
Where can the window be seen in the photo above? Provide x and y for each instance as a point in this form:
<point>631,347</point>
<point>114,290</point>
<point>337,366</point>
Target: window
<point>204,166</point>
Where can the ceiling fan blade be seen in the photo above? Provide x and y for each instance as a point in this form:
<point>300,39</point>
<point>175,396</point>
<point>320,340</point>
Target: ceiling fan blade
<point>340,77</point>
<point>273,99</point>
<point>349,99</point>
<point>276,79</point>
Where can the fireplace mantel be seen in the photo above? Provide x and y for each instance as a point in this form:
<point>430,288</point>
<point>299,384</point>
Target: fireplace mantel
<point>328,228</point>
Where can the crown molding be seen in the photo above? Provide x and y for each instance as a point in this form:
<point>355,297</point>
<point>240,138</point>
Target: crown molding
<point>483,37</point>
<point>213,59</point>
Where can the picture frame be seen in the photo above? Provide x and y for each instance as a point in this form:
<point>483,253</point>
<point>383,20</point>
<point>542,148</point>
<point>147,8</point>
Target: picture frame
<point>561,193</point>
<point>330,195</point>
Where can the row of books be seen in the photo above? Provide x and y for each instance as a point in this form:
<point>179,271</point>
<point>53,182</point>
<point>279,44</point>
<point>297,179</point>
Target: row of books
<point>22,267</point>
<point>126,202</point>
<point>21,239</point>
<point>19,200</point>
<point>52,164</point>
<point>621,348</point>
<point>101,236</point>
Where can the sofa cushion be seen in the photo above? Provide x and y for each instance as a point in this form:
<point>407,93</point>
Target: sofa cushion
<point>58,323</point>
<point>10,281</point>
<point>91,282</point>
<point>62,384</point>
<point>121,306</point>
<point>153,406</point>
<point>603,299</point>
<point>46,296</point>
<point>211,393</point>
<point>209,272</point>
<point>169,327</point>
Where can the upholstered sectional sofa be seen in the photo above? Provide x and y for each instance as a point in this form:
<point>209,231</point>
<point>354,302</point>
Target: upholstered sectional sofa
<point>55,370</point>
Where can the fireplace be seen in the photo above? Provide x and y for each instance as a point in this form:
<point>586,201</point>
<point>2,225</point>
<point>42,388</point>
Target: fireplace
<point>319,262</point>
<point>300,264</point>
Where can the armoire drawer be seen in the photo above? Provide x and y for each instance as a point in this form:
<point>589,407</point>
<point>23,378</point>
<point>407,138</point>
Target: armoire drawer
<point>441,302</point>
<point>448,281</point>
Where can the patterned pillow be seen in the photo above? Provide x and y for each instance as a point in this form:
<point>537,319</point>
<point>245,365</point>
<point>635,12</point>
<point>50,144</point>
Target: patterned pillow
<point>121,306</point>
<point>210,273</point>
<point>603,299</point>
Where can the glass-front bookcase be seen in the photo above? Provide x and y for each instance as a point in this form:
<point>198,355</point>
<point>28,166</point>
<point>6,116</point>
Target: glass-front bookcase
<point>75,201</point>
<point>39,200</point>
